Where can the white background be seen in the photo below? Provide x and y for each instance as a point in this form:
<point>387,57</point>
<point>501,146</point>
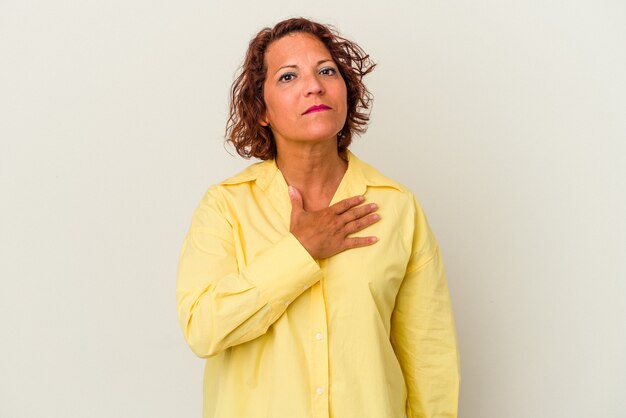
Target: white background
<point>506,118</point>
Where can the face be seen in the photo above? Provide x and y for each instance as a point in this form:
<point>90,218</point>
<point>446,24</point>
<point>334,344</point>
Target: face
<point>305,95</point>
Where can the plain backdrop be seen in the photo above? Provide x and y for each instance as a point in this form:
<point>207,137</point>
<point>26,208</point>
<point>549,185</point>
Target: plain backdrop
<point>506,118</point>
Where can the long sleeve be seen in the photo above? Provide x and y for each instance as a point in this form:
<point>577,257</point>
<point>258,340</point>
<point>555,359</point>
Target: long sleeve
<point>220,305</point>
<point>423,332</point>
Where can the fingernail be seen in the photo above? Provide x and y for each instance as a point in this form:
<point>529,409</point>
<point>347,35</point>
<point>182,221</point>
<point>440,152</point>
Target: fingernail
<point>374,206</point>
<point>376,217</point>
<point>361,198</point>
<point>374,239</point>
<point>291,191</point>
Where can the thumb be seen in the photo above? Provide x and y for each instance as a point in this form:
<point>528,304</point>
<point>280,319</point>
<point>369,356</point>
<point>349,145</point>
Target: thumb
<point>296,199</point>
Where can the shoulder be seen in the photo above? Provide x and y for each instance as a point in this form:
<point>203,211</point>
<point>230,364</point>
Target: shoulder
<point>249,174</point>
<point>218,198</point>
<point>407,209</point>
<point>258,171</point>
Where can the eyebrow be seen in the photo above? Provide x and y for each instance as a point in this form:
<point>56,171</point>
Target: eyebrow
<point>295,66</point>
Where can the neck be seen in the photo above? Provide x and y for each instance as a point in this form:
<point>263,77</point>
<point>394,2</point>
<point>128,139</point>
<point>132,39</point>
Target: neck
<point>315,171</point>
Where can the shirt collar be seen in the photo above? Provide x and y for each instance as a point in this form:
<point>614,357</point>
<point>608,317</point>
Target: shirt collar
<point>358,177</point>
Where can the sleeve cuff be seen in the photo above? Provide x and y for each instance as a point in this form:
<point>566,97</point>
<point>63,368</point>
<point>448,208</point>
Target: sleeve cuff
<point>283,272</point>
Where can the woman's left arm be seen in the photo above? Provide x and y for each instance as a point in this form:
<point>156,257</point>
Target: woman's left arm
<point>423,331</point>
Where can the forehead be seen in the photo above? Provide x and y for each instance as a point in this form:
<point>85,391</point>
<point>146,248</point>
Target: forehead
<point>295,47</point>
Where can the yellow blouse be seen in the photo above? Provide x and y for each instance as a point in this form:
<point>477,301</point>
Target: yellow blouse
<point>368,332</point>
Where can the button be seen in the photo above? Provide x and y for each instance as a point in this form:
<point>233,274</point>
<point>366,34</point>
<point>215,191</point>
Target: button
<point>318,336</point>
<point>319,390</point>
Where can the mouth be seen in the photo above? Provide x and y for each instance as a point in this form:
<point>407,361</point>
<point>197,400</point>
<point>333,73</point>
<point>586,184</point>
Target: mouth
<point>317,108</point>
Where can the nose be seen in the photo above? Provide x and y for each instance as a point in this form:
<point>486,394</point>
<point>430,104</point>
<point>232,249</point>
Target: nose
<point>313,85</point>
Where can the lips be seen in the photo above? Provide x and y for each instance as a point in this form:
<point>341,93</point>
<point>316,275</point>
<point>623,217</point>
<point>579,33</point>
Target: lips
<point>317,108</point>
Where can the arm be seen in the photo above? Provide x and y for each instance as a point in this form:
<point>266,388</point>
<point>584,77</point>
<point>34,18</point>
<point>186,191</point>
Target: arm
<point>220,306</point>
<point>423,332</point>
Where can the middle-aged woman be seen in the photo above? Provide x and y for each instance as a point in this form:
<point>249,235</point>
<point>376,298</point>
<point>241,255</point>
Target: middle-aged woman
<point>310,282</point>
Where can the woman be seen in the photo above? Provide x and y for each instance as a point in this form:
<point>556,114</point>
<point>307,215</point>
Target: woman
<point>311,282</point>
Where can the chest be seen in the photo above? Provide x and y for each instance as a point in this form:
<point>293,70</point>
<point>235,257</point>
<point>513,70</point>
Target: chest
<point>356,280</point>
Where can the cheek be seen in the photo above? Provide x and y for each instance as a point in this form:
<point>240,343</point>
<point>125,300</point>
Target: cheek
<point>345,106</point>
<point>271,102</point>
<point>277,106</point>
<point>343,94</point>
<point>270,110</point>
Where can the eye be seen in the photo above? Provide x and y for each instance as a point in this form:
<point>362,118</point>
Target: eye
<point>287,77</point>
<point>328,71</point>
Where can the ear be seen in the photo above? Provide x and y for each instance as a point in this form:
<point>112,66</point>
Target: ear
<point>263,120</point>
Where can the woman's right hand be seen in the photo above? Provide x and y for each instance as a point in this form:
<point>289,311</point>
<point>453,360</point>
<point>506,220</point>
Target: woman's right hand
<point>324,233</point>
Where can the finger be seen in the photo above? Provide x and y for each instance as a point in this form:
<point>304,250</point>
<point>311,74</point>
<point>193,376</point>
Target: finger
<point>358,212</point>
<point>346,204</point>
<point>357,242</point>
<point>361,223</point>
<point>297,205</point>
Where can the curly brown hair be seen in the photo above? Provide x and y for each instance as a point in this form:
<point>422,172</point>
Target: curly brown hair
<point>247,105</point>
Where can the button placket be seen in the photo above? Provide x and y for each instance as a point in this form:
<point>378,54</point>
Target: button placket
<point>319,352</point>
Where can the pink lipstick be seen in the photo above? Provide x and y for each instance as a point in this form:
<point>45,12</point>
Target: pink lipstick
<point>317,108</point>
